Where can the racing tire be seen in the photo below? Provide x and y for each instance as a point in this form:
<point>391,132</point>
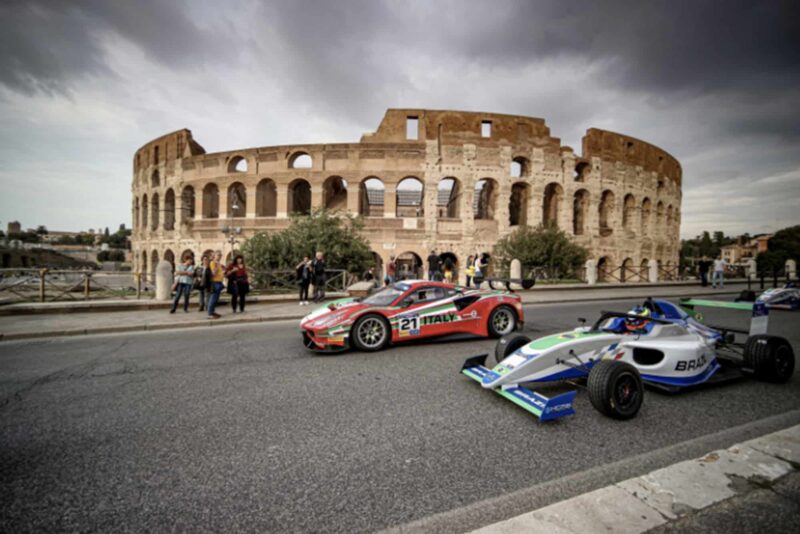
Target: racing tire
<point>615,389</point>
<point>371,333</point>
<point>502,321</point>
<point>770,357</point>
<point>509,344</point>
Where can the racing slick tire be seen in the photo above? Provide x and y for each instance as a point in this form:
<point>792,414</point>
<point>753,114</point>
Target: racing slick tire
<point>508,344</point>
<point>502,321</point>
<point>615,389</point>
<point>371,333</point>
<point>770,357</point>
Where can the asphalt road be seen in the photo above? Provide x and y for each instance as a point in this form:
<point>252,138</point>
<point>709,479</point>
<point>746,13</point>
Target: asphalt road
<point>241,429</point>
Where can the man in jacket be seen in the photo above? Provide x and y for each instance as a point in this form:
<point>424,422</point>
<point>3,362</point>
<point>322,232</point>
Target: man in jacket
<point>318,266</point>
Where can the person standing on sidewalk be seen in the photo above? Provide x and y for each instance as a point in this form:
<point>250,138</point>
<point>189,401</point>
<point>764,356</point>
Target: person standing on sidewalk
<point>470,270</point>
<point>318,266</point>
<point>238,284</point>
<point>217,271</point>
<point>202,280</point>
<point>184,273</point>
<point>481,263</point>
<point>702,270</point>
<point>434,267</point>
<point>391,272</point>
<point>718,276</point>
<point>304,277</point>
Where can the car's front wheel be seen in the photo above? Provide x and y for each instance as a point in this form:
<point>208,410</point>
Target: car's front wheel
<point>370,333</point>
<point>502,321</point>
<point>508,345</point>
<point>615,389</point>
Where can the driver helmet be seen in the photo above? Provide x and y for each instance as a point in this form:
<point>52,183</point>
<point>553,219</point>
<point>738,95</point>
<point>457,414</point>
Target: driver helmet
<point>640,322</point>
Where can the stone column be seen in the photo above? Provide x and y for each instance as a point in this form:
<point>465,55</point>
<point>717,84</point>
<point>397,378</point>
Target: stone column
<point>390,201</point>
<point>353,197</point>
<point>591,272</point>
<point>250,201</point>
<point>316,196</point>
<point>652,265</point>
<point>281,200</point>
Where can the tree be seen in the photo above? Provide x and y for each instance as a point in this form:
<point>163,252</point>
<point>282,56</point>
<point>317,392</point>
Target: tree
<point>41,230</point>
<point>784,245</point>
<point>106,233</point>
<point>542,246</point>
<point>338,236</point>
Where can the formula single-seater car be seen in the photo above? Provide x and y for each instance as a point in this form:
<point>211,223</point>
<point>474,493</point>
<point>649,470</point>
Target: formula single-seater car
<point>660,344</point>
<point>786,297</point>
<point>411,310</point>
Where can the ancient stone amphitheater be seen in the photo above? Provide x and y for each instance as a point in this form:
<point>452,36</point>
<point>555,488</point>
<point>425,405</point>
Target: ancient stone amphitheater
<point>452,181</point>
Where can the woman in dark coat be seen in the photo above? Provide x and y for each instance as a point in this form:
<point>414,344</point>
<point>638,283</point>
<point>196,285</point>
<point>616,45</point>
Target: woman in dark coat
<point>238,284</point>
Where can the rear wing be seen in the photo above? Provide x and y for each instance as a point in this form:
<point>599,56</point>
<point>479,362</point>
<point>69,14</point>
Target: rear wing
<point>758,309</point>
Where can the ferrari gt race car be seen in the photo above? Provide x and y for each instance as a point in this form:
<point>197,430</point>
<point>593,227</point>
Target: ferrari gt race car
<point>410,310</point>
<point>660,344</point>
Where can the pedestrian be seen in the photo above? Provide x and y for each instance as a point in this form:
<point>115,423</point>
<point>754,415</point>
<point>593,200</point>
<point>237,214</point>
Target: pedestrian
<point>238,283</point>
<point>318,266</point>
<point>184,277</point>
<point>470,270</point>
<point>718,276</point>
<point>391,272</point>
<point>702,269</point>
<point>434,266</point>
<point>481,263</point>
<point>304,271</point>
<point>217,274</point>
<point>448,270</point>
<point>201,281</point>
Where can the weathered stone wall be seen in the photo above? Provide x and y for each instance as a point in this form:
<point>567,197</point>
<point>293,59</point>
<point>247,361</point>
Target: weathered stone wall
<point>620,199</point>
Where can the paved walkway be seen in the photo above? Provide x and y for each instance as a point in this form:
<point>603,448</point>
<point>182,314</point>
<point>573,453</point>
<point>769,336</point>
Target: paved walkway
<point>76,320</point>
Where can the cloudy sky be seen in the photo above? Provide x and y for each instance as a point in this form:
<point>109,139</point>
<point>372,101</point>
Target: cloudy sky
<point>83,84</point>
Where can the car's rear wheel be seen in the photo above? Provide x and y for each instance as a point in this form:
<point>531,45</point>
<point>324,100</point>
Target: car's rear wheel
<point>508,345</point>
<point>502,321</point>
<point>370,333</point>
<point>615,389</point>
<point>770,357</point>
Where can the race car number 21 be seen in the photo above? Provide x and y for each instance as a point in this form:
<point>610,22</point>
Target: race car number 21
<point>409,325</point>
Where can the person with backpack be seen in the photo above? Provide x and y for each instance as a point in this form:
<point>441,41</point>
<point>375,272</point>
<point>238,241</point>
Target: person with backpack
<point>304,271</point>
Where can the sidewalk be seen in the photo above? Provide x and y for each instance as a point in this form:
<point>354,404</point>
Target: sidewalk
<point>76,320</point>
<point>750,487</point>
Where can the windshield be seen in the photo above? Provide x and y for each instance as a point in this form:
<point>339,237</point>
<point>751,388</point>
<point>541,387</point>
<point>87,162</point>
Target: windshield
<point>385,296</point>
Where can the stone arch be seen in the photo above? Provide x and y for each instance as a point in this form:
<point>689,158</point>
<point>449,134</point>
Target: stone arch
<point>453,260</point>
<point>409,265</point>
<point>211,201</point>
<point>551,207</point>
<point>237,200</point>
<point>486,192</point>
<point>669,216</point>
<point>145,211</point>
<point>647,207</point>
<point>153,261</point>
<point>301,160</point>
<point>659,216</point>
<point>629,213</point>
<point>448,198</point>
<point>155,212</point>
<point>520,167</point>
<point>410,195</point>
<point>644,270</point>
<point>143,263</point>
<point>371,197</point>
<point>169,210</point>
<point>170,257</point>
<point>580,211</point>
<point>377,264</point>
<point>606,213</point>
<point>605,269</point>
<point>155,179</point>
<point>518,204</point>
<point>266,198</point>
<point>627,273</point>
<point>334,193</point>
<point>299,197</point>
<point>188,201</point>
<point>237,164</point>
<point>582,168</point>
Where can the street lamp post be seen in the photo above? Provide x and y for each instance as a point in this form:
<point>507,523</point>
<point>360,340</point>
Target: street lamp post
<point>232,232</point>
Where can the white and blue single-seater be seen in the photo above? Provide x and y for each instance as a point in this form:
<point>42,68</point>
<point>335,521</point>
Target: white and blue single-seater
<point>660,344</point>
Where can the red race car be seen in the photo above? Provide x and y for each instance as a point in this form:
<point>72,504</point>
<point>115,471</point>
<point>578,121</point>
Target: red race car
<point>409,310</point>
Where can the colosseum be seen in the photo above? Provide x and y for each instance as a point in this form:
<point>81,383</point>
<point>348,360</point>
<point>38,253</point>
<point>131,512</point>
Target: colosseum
<point>452,181</point>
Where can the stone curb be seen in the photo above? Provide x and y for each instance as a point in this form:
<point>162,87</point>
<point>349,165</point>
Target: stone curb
<point>639,504</point>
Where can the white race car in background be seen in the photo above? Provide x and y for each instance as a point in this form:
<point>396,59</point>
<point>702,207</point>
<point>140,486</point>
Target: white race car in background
<point>786,297</point>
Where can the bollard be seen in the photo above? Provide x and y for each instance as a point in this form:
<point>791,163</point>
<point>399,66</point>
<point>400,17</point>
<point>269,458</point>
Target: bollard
<point>86,284</point>
<point>42,275</point>
<point>138,277</point>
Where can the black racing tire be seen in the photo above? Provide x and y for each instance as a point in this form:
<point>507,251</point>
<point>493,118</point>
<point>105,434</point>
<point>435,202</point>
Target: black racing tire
<point>770,357</point>
<point>615,389</point>
<point>502,321</point>
<point>509,344</point>
<point>370,333</point>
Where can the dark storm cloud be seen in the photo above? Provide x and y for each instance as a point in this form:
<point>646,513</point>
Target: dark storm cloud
<point>48,45</point>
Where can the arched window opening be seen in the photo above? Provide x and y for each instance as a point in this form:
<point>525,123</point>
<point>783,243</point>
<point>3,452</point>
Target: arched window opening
<point>627,273</point>
<point>581,170</point>
<point>518,204</point>
<point>299,197</point>
<point>606,210</point>
<point>188,208</point>
<point>580,210</point>
<point>143,264</point>
<point>155,212</point>
<point>659,215</point>
<point>629,213</point>
<point>237,200</point>
<point>551,207</point>
<point>605,269</point>
<point>211,201</point>
<point>448,198</point>
<point>334,193</point>
<point>669,216</point>
<point>300,160</point>
<point>145,212</point>
<point>410,195</point>
<point>170,257</point>
<point>409,266</point>
<point>155,179</point>
<point>644,270</point>
<point>370,197</point>
<point>485,202</point>
<point>520,167</point>
<point>237,164</point>
<point>169,210</point>
<point>645,223</point>
<point>266,198</point>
